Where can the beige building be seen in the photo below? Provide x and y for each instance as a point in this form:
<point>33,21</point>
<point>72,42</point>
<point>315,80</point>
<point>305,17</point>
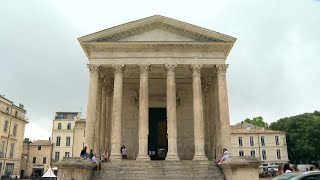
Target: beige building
<point>12,123</point>
<point>158,86</point>
<point>267,145</point>
<point>39,157</point>
<point>62,134</point>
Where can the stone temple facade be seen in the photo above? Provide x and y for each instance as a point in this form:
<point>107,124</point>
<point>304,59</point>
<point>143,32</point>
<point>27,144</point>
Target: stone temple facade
<point>158,86</point>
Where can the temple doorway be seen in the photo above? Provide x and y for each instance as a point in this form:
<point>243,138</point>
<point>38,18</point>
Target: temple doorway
<point>158,140</point>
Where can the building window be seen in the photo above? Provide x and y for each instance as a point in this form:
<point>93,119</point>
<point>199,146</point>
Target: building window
<point>276,138</point>
<point>278,154</point>
<point>5,127</point>
<point>67,154</point>
<point>241,153</point>
<point>2,149</point>
<point>68,139</point>
<point>44,160</point>
<point>253,153</point>
<point>16,114</point>
<point>251,141</point>
<point>69,126</point>
<point>7,110</point>
<point>9,169</point>
<point>58,141</point>
<point>262,141</point>
<point>39,148</point>
<point>14,133</point>
<point>11,150</point>
<point>34,160</point>
<point>264,154</point>
<point>240,141</point>
<point>59,125</point>
<point>57,156</point>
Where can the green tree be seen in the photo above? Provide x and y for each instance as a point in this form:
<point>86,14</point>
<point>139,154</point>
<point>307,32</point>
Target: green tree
<point>303,136</point>
<point>258,121</point>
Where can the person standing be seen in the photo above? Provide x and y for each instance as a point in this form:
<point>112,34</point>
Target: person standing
<point>124,152</point>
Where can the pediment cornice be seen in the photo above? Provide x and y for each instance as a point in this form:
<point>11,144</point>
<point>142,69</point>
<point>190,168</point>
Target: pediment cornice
<point>156,22</point>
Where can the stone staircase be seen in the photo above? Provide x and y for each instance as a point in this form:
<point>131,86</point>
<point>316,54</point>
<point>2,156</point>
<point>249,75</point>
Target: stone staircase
<point>135,170</point>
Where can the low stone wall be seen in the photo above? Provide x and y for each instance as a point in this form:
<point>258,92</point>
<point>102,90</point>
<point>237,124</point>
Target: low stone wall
<point>241,168</point>
<point>74,169</point>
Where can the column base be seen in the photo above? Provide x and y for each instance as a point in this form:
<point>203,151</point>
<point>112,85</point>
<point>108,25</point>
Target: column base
<point>172,158</point>
<point>115,157</point>
<point>199,158</point>
<point>143,158</point>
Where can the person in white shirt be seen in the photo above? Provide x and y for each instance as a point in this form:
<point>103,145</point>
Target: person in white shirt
<point>225,156</point>
<point>95,160</point>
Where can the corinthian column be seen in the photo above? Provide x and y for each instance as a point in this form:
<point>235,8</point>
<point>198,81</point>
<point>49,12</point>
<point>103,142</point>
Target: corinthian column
<point>116,113</point>
<point>108,117</point>
<point>103,115</point>
<point>98,117</point>
<point>92,104</point>
<point>171,112</point>
<point>223,108</point>
<point>198,113</point>
<point>143,113</point>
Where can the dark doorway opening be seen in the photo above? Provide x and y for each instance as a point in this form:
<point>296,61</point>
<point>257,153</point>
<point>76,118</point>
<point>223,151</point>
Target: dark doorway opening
<point>158,140</point>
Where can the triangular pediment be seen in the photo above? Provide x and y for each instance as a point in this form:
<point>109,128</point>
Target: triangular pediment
<point>156,28</point>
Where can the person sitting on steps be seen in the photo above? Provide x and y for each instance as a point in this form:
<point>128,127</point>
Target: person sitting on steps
<point>95,160</point>
<point>225,156</point>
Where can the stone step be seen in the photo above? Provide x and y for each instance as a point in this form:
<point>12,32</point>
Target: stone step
<point>159,170</point>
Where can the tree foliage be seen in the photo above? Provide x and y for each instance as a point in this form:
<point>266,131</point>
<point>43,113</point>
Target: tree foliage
<point>303,136</point>
<point>258,121</point>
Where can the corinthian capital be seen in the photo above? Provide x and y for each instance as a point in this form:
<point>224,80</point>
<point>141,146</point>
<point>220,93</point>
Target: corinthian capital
<point>107,86</point>
<point>196,69</point>
<point>118,69</point>
<point>144,69</point>
<point>221,69</point>
<point>93,69</point>
<point>100,77</point>
<point>171,68</point>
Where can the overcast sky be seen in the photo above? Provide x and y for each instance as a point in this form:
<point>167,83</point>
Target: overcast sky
<point>274,66</point>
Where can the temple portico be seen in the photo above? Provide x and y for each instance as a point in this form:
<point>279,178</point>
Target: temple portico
<point>158,86</point>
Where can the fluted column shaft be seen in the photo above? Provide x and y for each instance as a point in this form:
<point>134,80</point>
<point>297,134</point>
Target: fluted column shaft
<point>171,112</point>
<point>143,113</point>
<point>103,115</point>
<point>98,117</point>
<point>108,124</point>
<point>92,104</point>
<point>198,113</point>
<point>116,112</point>
<point>223,107</point>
